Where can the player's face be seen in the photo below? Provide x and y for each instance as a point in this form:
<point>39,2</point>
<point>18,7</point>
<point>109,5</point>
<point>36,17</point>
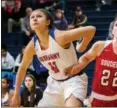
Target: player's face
<point>115,29</point>
<point>28,82</point>
<point>38,20</point>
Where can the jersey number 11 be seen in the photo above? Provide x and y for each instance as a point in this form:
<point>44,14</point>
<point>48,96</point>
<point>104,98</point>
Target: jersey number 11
<point>54,66</point>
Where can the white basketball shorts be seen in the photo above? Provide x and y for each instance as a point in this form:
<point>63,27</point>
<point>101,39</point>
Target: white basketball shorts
<point>58,91</point>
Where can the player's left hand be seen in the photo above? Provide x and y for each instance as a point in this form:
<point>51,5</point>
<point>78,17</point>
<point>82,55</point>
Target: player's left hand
<point>72,70</point>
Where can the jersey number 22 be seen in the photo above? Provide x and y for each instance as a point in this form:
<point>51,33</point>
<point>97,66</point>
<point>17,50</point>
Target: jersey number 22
<point>106,76</point>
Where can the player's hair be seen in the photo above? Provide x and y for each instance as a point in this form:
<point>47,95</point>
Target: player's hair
<point>114,22</point>
<point>113,25</point>
<point>48,16</point>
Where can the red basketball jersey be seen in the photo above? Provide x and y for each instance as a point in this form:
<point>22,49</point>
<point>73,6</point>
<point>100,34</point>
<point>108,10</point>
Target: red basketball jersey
<point>105,76</point>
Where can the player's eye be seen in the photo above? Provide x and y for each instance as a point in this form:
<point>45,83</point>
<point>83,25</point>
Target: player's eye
<point>38,16</point>
<point>32,17</point>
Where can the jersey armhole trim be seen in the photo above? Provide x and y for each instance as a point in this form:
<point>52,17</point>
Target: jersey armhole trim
<point>51,32</point>
<point>35,39</point>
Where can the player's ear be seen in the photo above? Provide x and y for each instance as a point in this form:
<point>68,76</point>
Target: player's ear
<point>48,22</point>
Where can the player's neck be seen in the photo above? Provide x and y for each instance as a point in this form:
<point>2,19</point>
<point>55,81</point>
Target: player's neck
<point>43,35</point>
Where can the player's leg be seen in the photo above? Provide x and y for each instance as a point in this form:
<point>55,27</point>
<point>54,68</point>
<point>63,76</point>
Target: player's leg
<point>52,96</point>
<point>73,101</point>
<point>76,90</point>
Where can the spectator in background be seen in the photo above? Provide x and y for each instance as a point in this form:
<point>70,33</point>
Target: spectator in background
<point>6,93</point>
<point>25,26</point>
<point>60,21</point>
<point>7,59</point>
<point>7,6</point>
<point>30,96</point>
<point>110,35</point>
<point>18,62</point>
<point>79,19</point>
<point>16,17</point>
<point>56,4</point>
<point>6,12</point>
<point>41,3</point>
<point>44,3</point>
<point>99,4</point>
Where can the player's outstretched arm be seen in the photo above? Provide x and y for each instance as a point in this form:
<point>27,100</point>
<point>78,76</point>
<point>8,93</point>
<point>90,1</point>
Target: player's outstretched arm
<point>87,33</point>
<point>85,59</point>
<point>27,57</point>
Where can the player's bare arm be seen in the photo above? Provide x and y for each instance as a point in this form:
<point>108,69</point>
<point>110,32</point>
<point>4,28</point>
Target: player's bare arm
<point>66,37</point>
<point>28,54</point>
<point>86,58</point>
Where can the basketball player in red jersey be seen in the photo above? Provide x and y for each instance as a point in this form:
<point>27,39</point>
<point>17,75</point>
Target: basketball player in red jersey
<point>104,86</point>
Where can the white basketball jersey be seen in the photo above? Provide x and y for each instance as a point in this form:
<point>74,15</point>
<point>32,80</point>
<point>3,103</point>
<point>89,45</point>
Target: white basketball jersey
<point>55,58</point>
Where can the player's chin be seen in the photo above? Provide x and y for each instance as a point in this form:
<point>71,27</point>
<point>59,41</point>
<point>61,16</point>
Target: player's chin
<point>35,27</point>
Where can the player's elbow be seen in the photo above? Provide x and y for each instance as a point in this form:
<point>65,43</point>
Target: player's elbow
<point>92,31</point>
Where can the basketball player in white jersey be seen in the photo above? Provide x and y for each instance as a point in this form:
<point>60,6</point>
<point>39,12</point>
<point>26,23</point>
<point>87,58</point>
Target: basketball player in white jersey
<point>104,85</point>
<point>56,52</point>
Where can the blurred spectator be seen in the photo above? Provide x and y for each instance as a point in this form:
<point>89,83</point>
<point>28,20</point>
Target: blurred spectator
<point>56,4</point>
<point>59,4</point>
<point>41,3</point>
<point>26,22</point>
<point>16,17</point>
<point>7,5</point>
<point>7,59</point>
<point>25,26</point>
<point>110,35</point>
<point>60,21</point>
<point>6,11</point>
<point>99,4</point>
<point>44,3</point>
<point>6,93</point>
<point>30,96</point>
<point>79,19</point>
<point>19,59</point>
<point>3,3</point>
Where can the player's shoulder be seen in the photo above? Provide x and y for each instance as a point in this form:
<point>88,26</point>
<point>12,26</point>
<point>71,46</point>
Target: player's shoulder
<point>97,46</point>
<point>100,45</point>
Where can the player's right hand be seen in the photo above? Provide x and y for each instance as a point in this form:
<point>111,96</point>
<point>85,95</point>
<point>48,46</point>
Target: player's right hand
<point>15,101</point>
<point>72,70</point>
